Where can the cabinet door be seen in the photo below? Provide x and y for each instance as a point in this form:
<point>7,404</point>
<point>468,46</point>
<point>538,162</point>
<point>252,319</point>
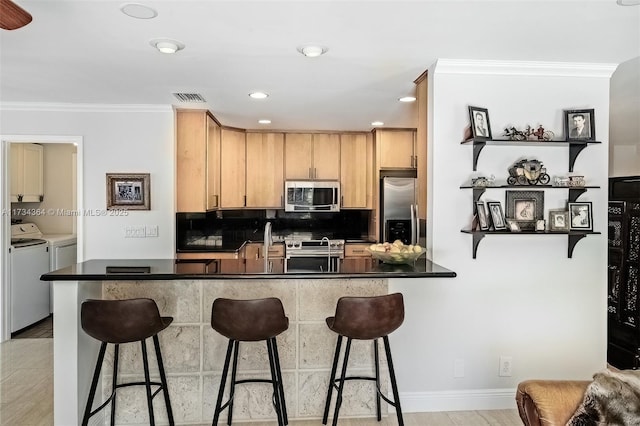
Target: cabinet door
<point>421,147</point>
<point>298,154</point>
<point>213,164</point>
<point>33,172</point>
<point>326,156</point>
<point>265,174</point>
<point>191,161</point>
<point>396,149</point>
<point>232,168</point>
<point>17,176</point>
<point>355,168</point>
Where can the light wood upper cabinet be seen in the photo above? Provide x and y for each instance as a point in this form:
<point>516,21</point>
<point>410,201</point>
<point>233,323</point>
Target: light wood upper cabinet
<point>27,172</point>
<point>265,171</point>
<point>232,168</point>
<point>312,156</point>
<point>213,164</point>
<point>396,148</point>
<point>356,166</point>
<point>192,132</point>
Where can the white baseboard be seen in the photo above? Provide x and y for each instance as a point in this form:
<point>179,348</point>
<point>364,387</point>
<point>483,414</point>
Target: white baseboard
<point>458,400</point>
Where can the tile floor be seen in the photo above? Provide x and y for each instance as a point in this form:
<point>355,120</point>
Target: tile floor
<point>26,394</point>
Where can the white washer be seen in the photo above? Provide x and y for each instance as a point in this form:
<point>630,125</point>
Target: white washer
<point>30,297</point>
<point>63,252</point>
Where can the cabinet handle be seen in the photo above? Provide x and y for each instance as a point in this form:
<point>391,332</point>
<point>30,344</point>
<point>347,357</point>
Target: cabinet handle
<point>310,174</point>
<point>244,203</point>
<point>342,201</point>
<point>20,198</point>
<point>41,197</point>
<point>315,173</point>
<point>216,203</point>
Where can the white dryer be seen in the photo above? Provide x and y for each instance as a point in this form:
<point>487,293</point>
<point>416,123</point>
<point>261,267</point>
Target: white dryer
<point>63,252</point>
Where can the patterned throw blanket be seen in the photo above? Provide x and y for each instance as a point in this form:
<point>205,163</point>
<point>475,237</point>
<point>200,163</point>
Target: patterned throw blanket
<point>612,399</point>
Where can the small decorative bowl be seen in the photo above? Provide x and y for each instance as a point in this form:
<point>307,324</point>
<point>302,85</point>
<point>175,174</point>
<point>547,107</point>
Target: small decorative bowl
<point>406,258</point>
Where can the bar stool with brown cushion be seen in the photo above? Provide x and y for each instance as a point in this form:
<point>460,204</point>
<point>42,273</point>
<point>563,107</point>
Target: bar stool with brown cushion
<point>125,321</point>
<point>250,321</point>
<point>365,318</point>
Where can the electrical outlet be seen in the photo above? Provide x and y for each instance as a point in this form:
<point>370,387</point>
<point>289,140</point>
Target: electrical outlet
<point>506,365</point>
<point>137,231</point>
<point>458,368</point>
<point>151,231</point>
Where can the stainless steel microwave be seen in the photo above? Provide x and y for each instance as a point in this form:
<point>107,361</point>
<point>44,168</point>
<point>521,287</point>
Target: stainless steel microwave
<point>312,196</point>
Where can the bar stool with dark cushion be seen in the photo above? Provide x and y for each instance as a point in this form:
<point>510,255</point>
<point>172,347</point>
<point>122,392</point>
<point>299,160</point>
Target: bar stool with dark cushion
<point>250,321</point>
<point>125,321</point>
<point>365,318</point>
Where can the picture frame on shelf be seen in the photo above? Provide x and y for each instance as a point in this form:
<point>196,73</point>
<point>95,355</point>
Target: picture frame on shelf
<point>483,219</point>
<point>579,125</point>
<point>480,126</point>
<point>558,220</point>
<point>497,215</point>
<point>526,207</point>
<point>580,216</point>
<point>128,191</point>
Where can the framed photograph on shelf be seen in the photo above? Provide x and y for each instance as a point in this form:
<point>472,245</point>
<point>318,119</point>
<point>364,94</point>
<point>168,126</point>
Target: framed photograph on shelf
<point>558,220</point>
<point>580,216</point>
<point>481,213</point>
<point>480,127</point>
<point>513,225</point>
<point>497,216</point>
<point>526,207</point>
<point>579,125</point>
<point>128,191</point>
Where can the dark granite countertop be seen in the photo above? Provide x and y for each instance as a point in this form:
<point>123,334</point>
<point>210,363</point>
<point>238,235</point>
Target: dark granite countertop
<point>170,269</point>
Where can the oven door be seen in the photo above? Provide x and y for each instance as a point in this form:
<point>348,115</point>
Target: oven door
<point>311,264</point>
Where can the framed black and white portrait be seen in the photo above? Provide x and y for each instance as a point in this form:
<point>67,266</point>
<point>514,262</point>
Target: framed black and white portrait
<point>497,216</point>
<point>481,213</point>
<point>480,127</point>
<point>526,207</point>
<point>579,125</point>
<point>558,220</point>
<point>580,216</point>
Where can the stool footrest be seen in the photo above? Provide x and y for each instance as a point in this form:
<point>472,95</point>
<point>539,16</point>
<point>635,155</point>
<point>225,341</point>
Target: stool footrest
<point>382,395</point>
<point>124,385</point>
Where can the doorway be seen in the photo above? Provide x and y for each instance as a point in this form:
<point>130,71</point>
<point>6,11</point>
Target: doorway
<point>57,213</point>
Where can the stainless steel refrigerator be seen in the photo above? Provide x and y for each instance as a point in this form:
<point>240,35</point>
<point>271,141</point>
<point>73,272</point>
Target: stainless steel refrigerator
<point>399,211</point>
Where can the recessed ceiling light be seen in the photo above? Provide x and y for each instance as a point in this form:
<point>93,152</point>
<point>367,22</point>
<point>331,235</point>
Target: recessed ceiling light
<point>407,99</point>
<point>377,123</point>
<point>312,51</point>
<point>166,45</point>
<point>138,11</point>
<point>264,121</point>
<point>628,2</point>
<point>258,95</point>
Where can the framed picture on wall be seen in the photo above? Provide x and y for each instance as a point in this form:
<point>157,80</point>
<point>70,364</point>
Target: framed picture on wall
<point>579,125</point>
<point>480,127</point>
<point>580,216</point>
<point>128,191</point>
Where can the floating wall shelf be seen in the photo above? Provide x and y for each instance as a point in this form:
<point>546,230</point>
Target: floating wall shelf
<point>575,147</point>
<point>573,237</point>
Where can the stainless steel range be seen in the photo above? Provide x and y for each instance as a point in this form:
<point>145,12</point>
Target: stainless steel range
<point>304,253</point>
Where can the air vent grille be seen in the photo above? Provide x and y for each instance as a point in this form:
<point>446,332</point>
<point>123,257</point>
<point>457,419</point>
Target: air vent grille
<point>189,97</point>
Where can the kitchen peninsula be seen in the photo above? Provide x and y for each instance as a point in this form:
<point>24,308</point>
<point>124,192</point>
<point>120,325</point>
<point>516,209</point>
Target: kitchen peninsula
<point>193,353</point>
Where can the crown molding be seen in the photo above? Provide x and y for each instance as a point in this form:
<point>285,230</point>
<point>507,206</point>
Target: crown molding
<point>71,107</point>
<point>531,68</point>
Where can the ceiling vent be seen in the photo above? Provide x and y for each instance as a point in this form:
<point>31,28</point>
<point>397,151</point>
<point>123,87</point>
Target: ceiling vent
<point>189,97</point>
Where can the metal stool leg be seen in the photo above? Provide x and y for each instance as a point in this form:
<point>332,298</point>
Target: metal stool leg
<point>376,360</point>
<point>394,386</point>
<point>114,382</point>
<point>274,381</point>
<point>332,380</point>
<point>94,385</point>
<point>223,380</point>
<point>232,388</point>
<point>347,349</point>
<point>279,372</point>
<point>163,380</point>
<point>145,363</point>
